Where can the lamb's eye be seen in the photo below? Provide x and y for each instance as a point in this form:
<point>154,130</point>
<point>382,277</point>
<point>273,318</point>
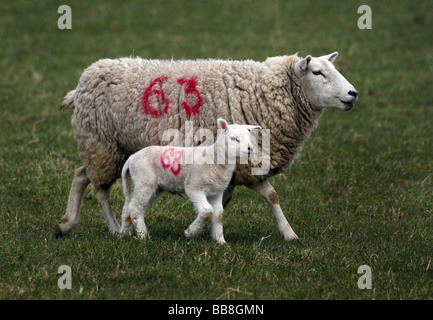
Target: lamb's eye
<point>234,139</point>
<point>318,73</point>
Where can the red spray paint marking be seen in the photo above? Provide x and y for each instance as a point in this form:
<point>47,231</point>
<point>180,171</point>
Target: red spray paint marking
<point>171,158</point>
<point>191,88</point>
<point>150,91</point>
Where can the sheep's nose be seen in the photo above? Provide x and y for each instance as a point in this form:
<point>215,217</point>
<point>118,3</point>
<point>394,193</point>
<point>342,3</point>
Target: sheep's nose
<point>353,93</point>
<point>250,150</point>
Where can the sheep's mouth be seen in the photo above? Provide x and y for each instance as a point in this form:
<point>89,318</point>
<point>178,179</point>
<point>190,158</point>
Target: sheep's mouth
<point>347,103</point>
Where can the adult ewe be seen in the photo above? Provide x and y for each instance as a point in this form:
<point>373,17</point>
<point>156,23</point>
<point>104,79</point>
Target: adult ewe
<point>121,106</point>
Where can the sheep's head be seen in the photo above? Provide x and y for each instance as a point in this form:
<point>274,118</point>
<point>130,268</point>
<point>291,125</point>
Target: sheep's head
<point>324,86</point>
<point>237,138</point>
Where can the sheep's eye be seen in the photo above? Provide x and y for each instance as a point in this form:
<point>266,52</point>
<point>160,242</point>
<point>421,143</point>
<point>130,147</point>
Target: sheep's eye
<point>317,73</point>
<point>234,139</point>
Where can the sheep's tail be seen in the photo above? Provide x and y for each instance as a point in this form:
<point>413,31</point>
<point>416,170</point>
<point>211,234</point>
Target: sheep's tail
<point>68,101</point>
<point>125,182</point>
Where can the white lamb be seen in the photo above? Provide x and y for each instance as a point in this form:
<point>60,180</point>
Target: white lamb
<point>156,169</point>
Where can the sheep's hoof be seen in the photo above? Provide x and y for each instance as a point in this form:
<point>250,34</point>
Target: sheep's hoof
<point>293,239</point>
<point>298,242</point>
<point>58,234</point>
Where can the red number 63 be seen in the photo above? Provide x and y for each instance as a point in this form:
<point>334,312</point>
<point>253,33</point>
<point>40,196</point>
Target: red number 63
<point>155,88</point>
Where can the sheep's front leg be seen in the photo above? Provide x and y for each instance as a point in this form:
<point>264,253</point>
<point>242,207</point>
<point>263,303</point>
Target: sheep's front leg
<point>204,213</point>
<point>267,191</point>
<point>217,219</point>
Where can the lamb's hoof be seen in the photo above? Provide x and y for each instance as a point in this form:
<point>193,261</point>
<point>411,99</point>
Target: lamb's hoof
<point>124,234</point>
<point>58,234</point>
<point>187,235</point>
<point>220,241</point>
<point>143,236</point>
<point>115,233</point>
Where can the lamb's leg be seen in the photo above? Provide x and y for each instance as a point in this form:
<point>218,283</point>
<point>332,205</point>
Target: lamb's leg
<point>268,192</point>
<point>217,219</point>
<point>137,210</point>
<point>103,196</point>
<point>126,226</point>
<point>72,215</point>
<point>204,213</point>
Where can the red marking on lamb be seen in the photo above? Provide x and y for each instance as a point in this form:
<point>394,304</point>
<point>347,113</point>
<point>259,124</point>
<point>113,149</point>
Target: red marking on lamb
<point>171,158</point>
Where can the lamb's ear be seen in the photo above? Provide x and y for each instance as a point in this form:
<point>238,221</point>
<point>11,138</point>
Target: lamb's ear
<point>251,128</point>
<point>222,124</point>
<point>302,64</point>
<point>331,57</point>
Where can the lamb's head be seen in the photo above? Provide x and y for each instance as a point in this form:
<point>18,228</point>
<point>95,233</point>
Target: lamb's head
<point>236,139</point>
<point>324,86</point>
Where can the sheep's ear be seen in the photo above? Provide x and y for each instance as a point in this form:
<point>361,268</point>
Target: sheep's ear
<point>331,57</point>
<point>302,64</point>
<point>222,124</point>
<point>251,128</point>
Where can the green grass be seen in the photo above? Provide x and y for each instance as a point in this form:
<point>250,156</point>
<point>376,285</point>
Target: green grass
<point>361,192</point>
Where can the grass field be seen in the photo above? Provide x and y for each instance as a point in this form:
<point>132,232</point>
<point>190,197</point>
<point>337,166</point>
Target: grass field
<point>360,193</point>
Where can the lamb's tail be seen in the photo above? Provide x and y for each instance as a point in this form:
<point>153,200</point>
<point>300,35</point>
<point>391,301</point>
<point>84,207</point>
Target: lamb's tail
<point>68,101</point>
<point>125,182</point>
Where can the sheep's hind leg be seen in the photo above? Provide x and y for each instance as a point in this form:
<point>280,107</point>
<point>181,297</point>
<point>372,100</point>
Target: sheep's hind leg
<point>204,213</point>
<point>72,215</point>
<point>103,196</point>
<point>267,191</point>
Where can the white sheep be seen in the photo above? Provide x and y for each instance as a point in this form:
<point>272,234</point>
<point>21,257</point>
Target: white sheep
<point>123,105</point>
<point>155,169</point>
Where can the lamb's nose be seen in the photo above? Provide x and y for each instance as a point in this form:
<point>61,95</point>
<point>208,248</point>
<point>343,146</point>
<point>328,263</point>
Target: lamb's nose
<point>353,93</point>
